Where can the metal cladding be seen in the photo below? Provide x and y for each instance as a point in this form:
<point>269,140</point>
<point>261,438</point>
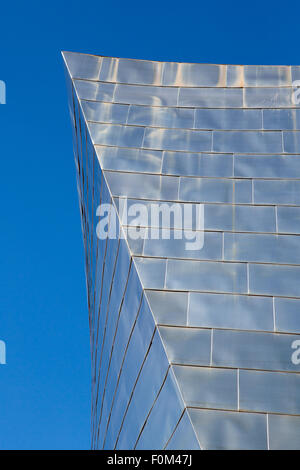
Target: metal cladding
<point>191,349</point>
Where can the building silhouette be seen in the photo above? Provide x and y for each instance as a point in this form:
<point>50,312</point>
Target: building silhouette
<point>191,348</point>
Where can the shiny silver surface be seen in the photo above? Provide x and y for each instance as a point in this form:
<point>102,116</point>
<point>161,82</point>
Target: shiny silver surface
<point>190,349</point>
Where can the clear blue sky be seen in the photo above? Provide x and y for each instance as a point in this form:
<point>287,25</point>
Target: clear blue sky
<point>45,386</point>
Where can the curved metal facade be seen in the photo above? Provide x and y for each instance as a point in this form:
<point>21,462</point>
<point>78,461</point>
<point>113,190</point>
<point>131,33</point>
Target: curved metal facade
<point>191,349</point>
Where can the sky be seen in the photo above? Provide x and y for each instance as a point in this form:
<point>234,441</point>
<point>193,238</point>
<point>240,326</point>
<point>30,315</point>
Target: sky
<point>45,384</point>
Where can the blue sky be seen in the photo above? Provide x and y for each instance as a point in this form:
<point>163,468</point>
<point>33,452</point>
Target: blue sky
<point>45,385</point>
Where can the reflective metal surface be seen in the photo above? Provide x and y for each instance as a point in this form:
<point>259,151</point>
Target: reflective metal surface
<point>191,349</point>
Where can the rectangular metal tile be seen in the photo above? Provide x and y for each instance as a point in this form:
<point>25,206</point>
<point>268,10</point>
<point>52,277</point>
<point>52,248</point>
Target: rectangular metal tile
<point>262,166</point>
<point>288,219</point>
<point>247,142</point>
<point>115,158</point>
<point>161,214</point>
<point>291,141</point>
<point>132,71</point>
<point>267,75</point>
<point>282,249</point>
<point>276,192</point>
<point>274,280</point>
<point>95,91</point>
<point>206,387</point>
<point>184,437</point>
<point>177,139</point>
<point>169,308</point>
<point>105,112</point>
<point>284,432</point>
<point>145,393</point>
<point>281,119</point>
<point>253,350</point>
<point>189,244</point>
<point>239,312</point>
<point>235,76</point>
<point>161,117</point>
<point>226,430</point>
<point>253,219</point>
<point>151,272</point>
<point>193,75</point>
<point>229,119</point>
<point>271,392</point>
<point>287,315</point>
<point>197,164</point>
<point>211,97</point>
<point>206,276</point>
<point>186,345</point>
<point>149,186</point>
<point>83,65</point>
<point>119,136</point>
<point>148,95</point>
<point>214,190</point>
<point>268,97</point>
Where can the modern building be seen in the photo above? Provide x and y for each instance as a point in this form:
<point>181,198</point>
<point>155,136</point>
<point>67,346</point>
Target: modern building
<point>193,346</point>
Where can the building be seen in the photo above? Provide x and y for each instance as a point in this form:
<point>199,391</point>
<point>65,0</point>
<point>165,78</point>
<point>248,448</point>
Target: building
<point>192,347</point>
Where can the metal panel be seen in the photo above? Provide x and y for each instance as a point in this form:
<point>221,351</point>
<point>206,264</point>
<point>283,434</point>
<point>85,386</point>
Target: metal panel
<point>268,76</point>
<point>83,65</point>
<point>169,404</point>
<point>284,432</point>
<point>105,112</point>
<point>279,166</point>
<point>177,139</point>
<point>135,160</point>
<point>281,119</point>
<point>191,244</point>
<point>213,190</point>
<point>143,72</point>
<point>211,97</point>
<point>187,345</point>
<point>253,350</point>
<point>153,96</point>
<point>193,75</point>
<point>150,186</point>
<point>228,119</point>
<point>287,316</point>
<point>274,392</point>
<point>161,117</point>
<point>169,308</point>
<point>268,97</point>
<point>288,219</point>
<point>277,192</point>
<point>95,91</point>
<point>282,249</point>
<point>230,311</point>
<point>274,280</point>
<point>151,272</point>
<point>206,276</point>
<point>204,387</point>
<point>123,136</point>
<point>197,164</point>
<point>291,142</point>
<point>219,430</point>
<point>247,142</point>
